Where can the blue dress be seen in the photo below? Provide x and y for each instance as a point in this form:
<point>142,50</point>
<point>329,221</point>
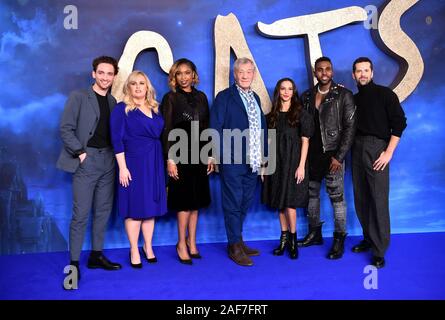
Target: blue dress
<point>139,137</point>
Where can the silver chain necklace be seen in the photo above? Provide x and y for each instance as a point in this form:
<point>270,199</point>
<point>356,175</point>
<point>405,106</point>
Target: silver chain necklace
<point>322,92</point>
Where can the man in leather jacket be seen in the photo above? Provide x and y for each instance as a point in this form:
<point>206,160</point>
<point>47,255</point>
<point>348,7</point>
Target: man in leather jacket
<point>333,109</point>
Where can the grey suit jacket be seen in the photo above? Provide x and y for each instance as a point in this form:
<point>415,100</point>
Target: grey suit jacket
<point>78,124</point>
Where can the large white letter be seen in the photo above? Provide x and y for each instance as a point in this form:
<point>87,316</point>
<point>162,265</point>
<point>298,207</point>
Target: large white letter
<point>229,35</point>
<point>397,43</point>
<point>139,41</point>
<point>311,26</point>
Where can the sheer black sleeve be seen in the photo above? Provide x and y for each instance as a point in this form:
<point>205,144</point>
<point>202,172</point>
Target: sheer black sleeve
<point>306,124</point>
<point>167,114</point>
<point>204,112</point>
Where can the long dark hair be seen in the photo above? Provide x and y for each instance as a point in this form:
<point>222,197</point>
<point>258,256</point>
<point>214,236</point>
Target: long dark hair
<point>293,115</point>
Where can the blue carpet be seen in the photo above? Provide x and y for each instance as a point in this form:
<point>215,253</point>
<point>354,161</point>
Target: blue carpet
<point>415,270</point>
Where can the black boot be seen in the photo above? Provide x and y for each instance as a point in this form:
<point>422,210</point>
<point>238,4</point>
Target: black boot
<point>338,245</point>
<point>314,237</point>
<point>284,241</point>
<point>293,248</point>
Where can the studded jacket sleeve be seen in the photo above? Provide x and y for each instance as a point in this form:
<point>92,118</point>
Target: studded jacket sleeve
<point>348,117</point>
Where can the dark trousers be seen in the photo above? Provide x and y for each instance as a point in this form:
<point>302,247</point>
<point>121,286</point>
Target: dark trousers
<point>238,190</point>
<point>93,186</point>
<point>371,192</point>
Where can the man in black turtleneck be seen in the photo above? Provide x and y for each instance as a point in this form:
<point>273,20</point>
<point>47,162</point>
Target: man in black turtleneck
<point>380,123</point>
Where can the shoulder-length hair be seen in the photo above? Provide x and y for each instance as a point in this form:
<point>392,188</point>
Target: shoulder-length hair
<point>150,96</point>
<point>294,112</point>
<point>174,69</point>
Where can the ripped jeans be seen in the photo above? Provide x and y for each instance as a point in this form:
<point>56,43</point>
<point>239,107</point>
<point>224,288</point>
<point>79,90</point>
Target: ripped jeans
<point>334,188</point>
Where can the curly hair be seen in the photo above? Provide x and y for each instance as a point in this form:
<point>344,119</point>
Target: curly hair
<point>105,59</point>
<point>174,69</point>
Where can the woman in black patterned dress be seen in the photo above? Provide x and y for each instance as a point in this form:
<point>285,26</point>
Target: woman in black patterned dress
<point>287,188</point>
<point>186,108</point>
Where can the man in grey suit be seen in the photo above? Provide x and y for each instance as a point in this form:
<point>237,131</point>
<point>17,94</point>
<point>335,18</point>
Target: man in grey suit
<point>87,153</point>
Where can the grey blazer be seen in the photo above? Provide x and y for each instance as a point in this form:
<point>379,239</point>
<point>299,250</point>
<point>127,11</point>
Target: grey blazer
<point>78,124</point>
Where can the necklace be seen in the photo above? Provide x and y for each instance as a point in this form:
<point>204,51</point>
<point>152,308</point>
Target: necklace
<point>322,92</point>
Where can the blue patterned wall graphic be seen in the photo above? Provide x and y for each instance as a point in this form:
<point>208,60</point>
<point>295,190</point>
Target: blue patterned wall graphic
<point>41,62</point>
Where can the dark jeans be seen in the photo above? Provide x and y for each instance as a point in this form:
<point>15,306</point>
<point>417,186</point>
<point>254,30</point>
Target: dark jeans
<point>334,187</point>
<point>371,192</point>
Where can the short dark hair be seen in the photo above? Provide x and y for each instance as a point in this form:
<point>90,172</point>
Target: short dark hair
<point>362,59</point>
<point>105,59</point>
<point>321,59</point>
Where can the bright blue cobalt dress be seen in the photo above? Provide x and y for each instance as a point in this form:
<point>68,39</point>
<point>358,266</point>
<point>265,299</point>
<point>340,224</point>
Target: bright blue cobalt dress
<point>139,137</point>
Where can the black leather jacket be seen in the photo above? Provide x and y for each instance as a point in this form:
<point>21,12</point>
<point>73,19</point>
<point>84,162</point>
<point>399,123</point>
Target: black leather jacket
<point>337,118</point>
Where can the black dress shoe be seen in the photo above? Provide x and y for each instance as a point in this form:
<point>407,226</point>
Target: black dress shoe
<point>363,246</point>
<point>149,260</point>
<point>135,265</point>
<point>101,262</point>
<point>183,261</point>
<point>378,262</point>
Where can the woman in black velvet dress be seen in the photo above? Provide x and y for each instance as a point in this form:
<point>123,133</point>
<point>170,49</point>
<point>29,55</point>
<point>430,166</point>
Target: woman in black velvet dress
<point>187,109</point>
<point>287,188</point>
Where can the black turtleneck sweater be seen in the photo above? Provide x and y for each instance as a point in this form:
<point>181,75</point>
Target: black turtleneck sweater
<point>379,112</point>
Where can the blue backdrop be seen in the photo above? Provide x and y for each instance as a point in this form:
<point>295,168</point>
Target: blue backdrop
<point>41,62</point>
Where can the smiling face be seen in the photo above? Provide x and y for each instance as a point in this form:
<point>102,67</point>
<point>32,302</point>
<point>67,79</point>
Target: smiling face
<point>104,76</point>
<point>184,77</point>
<point>363,73</point>
<point>137,87</point>
<point>244,75</point>
<point>286,91</point>
<point>323,72</point>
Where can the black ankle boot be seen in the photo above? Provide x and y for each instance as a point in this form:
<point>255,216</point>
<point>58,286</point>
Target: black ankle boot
<point>284,241</point>
<point>314,237</point>
<point>338,245</point>
<point>293,248</point>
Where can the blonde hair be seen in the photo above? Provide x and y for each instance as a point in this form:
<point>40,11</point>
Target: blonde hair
<point>150,96</point>
<point>174,68</point>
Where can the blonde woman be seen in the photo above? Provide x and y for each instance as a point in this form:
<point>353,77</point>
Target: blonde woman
<point>136,128</point>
